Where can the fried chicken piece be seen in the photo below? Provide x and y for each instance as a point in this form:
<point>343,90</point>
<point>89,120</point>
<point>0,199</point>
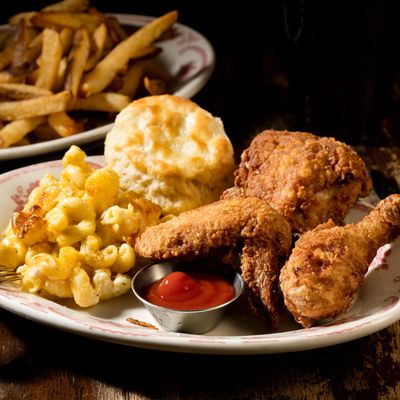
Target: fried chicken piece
<point>328,264</point>
<point>260,235</point>
<point>306,178</point>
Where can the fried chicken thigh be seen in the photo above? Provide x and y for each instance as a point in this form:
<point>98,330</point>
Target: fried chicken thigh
<point>328,264</point>
<point>260,235</point>
<point>306,178</point>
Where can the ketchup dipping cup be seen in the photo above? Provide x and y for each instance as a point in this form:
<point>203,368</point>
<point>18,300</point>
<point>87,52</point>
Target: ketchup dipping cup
<point>192,319</point>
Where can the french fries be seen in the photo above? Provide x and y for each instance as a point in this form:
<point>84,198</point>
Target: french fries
<point>99,38</point>
<point>70,6</point>
<point>154,86</point>
<point>20,59</point>
<point>21,91</point>
<point>7,77</point>
<point>132,80</point>
<point>118,57</point>
<point>5,56</point>
<point>65,20</point>
<point>50,59</point>
<point>60,64</point>
<point>63,124</point>
<point>108,102</point>
<point>16,130</point>
<point>44,105</point>
<point>79,56</point>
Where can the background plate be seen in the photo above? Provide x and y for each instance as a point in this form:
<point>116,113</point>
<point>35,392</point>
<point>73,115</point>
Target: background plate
<point>188,55</point>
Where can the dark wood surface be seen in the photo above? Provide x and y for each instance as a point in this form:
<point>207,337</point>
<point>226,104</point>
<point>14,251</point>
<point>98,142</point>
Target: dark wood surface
<point>251,89</point>
<point>38,362</point>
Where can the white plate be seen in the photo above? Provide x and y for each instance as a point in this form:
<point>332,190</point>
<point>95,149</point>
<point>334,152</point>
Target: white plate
<point>188,55</point>
<point>376,306</point>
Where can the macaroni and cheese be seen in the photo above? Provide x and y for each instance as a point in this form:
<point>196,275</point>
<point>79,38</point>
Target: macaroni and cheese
<point>75,236</point>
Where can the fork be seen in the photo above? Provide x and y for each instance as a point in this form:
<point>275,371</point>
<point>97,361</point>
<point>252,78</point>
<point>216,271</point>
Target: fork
<point>8,275</point>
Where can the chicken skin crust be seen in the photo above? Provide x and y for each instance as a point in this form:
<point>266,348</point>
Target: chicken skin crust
<point>328,264</point>
<point>260,235</point>
<point>306,178</point>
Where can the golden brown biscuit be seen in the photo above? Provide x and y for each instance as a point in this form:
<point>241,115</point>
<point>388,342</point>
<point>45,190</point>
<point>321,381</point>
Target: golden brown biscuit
<point>170,151</point>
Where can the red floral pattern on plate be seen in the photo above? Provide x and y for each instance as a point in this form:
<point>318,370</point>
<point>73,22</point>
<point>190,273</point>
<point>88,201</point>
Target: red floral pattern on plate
<point>359,321</point>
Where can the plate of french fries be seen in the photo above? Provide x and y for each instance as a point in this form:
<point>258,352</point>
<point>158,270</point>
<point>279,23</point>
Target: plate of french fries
<point>67,70</point>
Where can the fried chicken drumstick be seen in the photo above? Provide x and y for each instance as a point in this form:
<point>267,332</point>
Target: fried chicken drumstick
<point>328,264</point>
<point>260,235</point>
<point>306,178</point>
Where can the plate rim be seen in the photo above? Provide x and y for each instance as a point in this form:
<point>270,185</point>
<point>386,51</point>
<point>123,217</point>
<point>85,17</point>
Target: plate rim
<point>268,343</point>
<point>92,135</point>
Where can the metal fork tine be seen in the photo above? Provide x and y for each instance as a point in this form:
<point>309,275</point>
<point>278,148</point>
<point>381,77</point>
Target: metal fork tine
<point>5,269</point>
<point>5,279</point>
<point>8,275</point>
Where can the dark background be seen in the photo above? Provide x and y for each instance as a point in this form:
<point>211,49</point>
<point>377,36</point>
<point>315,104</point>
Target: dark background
<point>327,67</point>
<point>337,75</point>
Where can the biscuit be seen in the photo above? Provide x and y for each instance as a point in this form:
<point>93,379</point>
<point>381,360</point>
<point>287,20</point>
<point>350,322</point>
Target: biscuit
<point>171,151</point>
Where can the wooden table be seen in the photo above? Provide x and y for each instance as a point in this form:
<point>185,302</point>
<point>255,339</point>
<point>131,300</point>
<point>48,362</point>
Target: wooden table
<point>38,362</point>
<point>248,91</point>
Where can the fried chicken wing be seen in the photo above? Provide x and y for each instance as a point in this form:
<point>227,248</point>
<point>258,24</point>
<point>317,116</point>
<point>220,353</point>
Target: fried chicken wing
<point>306,178</point>
<point>260,235</point>
<point>328,264</point>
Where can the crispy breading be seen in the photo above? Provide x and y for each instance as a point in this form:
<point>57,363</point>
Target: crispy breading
<point>261,236</point>
<point>328,264</point>
<point>306,178</point>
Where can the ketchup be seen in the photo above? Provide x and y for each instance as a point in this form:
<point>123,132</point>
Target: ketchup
<point>189,291</point>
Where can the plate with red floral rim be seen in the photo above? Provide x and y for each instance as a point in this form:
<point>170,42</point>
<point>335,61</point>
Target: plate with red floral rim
<point>375,307</point>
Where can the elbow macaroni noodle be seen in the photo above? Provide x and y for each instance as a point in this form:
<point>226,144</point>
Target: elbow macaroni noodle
<point>74,237</point>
